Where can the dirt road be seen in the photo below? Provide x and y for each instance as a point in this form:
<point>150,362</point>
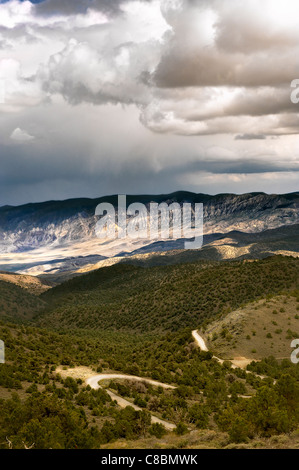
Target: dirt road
<point>94,383</point>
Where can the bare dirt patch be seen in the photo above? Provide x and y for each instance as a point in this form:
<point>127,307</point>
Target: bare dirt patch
<point>80,372</point>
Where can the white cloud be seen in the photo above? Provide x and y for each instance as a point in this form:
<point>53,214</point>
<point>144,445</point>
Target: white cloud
<point>20,135</point>
<point>222,58</point>
<point>21,91</point>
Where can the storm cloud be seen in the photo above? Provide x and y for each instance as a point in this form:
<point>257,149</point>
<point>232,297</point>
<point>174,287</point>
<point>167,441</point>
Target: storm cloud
<point>69,7</point>
<point>103,96</point>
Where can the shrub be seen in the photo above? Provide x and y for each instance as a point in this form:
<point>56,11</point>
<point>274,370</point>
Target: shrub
<point>181,429</point>
<point>157,430</point>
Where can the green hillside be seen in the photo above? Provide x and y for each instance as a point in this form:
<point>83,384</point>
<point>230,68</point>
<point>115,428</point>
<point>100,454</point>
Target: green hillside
<point>135,320</point>
<point>164,298</point>
<point>17,303</point>
<point>40,407</point>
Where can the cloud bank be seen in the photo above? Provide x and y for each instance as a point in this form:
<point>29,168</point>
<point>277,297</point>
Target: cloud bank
<point>103,96</point>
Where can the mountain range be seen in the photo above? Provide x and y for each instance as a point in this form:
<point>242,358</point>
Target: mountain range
<point>59,236</point>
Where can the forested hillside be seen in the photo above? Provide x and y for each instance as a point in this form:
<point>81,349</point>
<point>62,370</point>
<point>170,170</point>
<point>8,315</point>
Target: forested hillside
<point>138,321</point>
<point>17,303</point>
<point>164,298</point>
<point>40,408</point>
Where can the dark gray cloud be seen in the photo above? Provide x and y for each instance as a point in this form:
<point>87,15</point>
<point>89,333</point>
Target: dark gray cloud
<point>69,7</point>
<point>204,67</point>
<point>250,137</point>
<point>158,96</point>
<point>40,176</point>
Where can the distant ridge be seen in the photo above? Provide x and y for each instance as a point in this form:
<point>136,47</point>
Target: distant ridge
<point>179,195</point>
<point>60,235</point>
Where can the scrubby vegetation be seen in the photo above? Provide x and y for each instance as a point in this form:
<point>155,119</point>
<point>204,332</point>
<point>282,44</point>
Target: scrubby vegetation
<point>124,297</point>
<point>18,304</point>
<point>40,406</point>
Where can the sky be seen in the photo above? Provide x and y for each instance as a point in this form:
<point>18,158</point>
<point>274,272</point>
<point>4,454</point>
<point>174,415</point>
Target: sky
<point>101,97</point>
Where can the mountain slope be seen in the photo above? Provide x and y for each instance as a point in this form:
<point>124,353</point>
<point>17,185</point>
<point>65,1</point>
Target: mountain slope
<point>17,304</point>
<point>260,329</point>
<point>32,284</point>
<point>233,245</point>
<point>55,235</point>
<point>163,298</point>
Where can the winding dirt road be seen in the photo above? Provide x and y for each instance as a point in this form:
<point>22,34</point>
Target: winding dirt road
<point>200,341</point>
<point>202,345</point>
<point>94,383</point>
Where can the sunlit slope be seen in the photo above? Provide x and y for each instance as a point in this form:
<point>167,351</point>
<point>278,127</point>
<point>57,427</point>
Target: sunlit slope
<point>217,247</point>
<point>59,236</point>
<point>260,329</point>
<point>31,283</point>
